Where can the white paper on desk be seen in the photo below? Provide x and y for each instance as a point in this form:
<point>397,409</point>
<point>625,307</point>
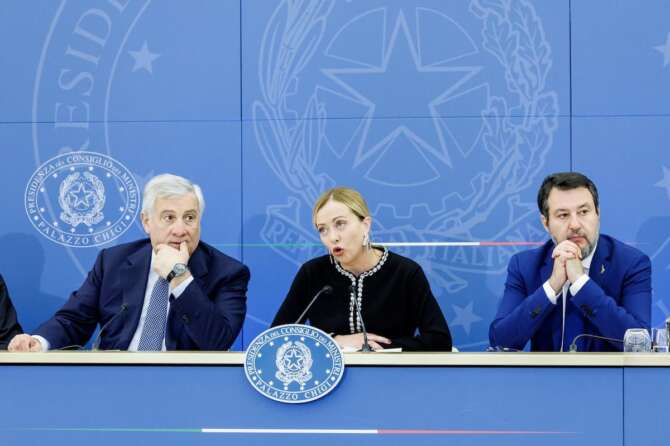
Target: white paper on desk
<point>350,349</point>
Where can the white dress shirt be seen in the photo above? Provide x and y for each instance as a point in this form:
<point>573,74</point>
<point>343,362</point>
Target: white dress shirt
<point>574,288</point>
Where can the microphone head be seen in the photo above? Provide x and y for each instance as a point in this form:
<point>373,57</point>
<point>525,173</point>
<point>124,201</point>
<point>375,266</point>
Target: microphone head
<point>327,289</point>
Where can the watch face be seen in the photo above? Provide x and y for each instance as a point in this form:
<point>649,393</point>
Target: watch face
<point>179,269</point>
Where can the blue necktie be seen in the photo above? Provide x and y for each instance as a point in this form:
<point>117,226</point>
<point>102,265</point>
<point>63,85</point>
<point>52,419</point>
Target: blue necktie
<point>154,324</point>
<point>573,324</point>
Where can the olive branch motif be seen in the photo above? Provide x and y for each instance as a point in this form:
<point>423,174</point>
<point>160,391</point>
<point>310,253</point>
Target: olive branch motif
<point>518,138</point>
<point>289,143</point>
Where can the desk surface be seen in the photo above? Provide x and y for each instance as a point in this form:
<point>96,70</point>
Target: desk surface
<point>475,399</point>
<point>517,359</point>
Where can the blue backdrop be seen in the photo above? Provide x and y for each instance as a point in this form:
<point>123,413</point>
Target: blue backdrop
<point>446,114</point>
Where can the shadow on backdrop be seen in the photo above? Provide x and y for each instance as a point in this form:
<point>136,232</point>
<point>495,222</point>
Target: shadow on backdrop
<point>22,267</point>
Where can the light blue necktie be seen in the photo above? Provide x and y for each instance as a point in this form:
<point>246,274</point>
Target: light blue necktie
<point>154,324</point>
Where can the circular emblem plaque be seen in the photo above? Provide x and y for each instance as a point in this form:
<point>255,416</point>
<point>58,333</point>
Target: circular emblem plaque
<point>82,199</point>
<point>294,363</point>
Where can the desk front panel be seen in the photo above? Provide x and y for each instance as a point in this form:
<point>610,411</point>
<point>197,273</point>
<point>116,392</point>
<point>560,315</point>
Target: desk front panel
<point>175,405</point>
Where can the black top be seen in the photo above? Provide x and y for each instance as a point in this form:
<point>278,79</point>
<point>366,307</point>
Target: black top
<point>396,301</point>
<point>9,326</point>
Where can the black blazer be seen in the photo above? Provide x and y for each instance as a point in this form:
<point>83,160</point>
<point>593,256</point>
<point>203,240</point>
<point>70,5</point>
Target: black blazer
<point>9,325</point>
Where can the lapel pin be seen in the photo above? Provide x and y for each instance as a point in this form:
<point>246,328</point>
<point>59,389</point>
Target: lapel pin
<point>602,269</point>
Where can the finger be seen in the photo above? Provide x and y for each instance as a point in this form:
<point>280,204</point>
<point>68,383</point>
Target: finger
<point>574,252</point>
<point>17,344</point>
<point>377,338</point>
<point>12,347</point>
<point>347,341</point>
<point>571,244</point>
<point>562,253</point>
<point>183,248</point>
<point>375,346</point>
<point>35,345</point>
<point>559,250</point>
<point>561,245</point>
<point>570,249</point>
<point>568,253</point>
<point>24,340</point>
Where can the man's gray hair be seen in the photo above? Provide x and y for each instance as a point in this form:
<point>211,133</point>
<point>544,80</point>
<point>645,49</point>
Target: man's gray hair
<point>167,185</point>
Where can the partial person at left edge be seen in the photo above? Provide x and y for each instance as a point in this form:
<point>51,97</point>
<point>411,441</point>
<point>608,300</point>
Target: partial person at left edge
<point>168,292</point>
<point>9,325</point>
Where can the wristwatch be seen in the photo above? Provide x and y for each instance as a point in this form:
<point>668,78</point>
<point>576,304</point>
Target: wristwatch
<point>177,270</point>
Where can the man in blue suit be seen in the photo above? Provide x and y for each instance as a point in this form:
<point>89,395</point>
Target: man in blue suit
<point>168,292</point>
<point>580,281</point>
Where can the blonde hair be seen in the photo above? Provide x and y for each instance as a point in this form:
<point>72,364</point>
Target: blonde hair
<point>349,197</point>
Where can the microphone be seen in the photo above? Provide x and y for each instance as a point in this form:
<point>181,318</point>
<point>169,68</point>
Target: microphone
<point>327,289</point>
<point>366,346</point>
<point>573,345</point>
<point>98,339</point>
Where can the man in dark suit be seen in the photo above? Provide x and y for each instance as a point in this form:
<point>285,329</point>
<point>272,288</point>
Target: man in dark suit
<point>580,281</point>
<point>170,292</point>
<point>9,325</point>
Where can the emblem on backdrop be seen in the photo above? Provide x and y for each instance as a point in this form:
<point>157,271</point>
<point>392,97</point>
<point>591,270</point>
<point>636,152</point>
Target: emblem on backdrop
<point>294,363</point>
<point>496,66</point>
<point>82,199</point>
<point>81,195</point>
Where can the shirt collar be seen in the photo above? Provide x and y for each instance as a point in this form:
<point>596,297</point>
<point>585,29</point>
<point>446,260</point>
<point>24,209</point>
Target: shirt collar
<point>586,263</point>
<point>152,273</point>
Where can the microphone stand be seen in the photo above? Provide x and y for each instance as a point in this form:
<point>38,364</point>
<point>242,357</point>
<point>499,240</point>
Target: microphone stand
<point>98,339</point>
<point>326,289</point>
<point>573,345</point>
<point>366,346</point>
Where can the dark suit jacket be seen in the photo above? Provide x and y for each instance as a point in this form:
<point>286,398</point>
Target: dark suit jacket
<point>208,315</point>
<point>617,297</point>
<point>9,326</point>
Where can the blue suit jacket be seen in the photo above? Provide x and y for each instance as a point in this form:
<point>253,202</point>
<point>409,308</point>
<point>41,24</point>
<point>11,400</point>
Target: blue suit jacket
<point>208,315</point>
<point>617,297</point>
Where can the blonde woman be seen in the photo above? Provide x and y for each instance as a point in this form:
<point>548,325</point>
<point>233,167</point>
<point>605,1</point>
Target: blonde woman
<point>397,305</point>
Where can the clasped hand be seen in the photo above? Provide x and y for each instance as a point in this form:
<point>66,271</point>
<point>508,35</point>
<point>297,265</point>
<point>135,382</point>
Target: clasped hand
<point>567,265</point>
